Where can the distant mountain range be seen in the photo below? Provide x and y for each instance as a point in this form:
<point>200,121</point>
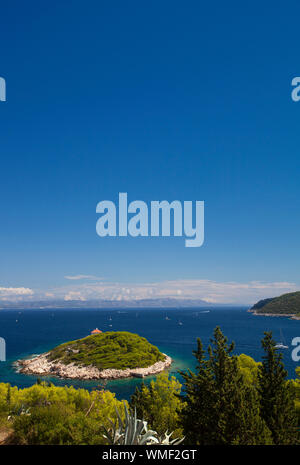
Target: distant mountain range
<point>143,303</point>
<point>286,304</point>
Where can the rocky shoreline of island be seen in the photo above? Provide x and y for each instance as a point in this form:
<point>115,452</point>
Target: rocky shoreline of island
<point>42,366</point>
<point>292,316</point>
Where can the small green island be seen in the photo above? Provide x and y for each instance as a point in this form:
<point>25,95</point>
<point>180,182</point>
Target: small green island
<point>284,305</point>
<point>109,355</point>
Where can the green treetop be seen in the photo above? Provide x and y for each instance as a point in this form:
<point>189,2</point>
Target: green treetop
<point>277,395</point>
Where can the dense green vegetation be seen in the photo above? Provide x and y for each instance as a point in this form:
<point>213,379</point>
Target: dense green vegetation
<point>276,396</point>
<point>114,349</point>
<point>231,401</point>
<point>229,404</point>
<point>228,399</point>
<point>261,303</point>
<point>284,304</point>
<point>46,414</point>
<point>159,404</point>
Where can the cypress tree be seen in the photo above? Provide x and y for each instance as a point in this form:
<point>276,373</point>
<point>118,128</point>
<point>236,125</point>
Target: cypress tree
<point>196,418</point>
<point>220,407</point>
<point>141,401</point>
<point>276,395</point>
<point>8,396</point>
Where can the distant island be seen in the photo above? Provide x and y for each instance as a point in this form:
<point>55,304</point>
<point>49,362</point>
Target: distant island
<point>109,355</point>
<point>284,305</point>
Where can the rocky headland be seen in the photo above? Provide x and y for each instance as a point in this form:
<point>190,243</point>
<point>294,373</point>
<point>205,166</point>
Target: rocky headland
<point>41,365</point>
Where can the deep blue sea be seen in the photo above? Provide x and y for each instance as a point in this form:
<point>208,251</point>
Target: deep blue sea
<point>29,332</point>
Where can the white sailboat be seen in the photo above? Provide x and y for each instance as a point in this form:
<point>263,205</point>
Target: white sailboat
<point>281,344</point>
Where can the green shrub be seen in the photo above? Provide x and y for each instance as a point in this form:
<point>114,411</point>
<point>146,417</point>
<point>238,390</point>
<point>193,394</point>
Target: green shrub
<point>44,414</point>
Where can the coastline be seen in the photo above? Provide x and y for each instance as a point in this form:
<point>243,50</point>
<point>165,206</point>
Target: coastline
<point>40,365</point>
<point>292,316</point>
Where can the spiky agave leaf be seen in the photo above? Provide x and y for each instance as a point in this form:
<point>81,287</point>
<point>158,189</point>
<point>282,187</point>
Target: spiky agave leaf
<point>167,442</point>
<point>134,431</point>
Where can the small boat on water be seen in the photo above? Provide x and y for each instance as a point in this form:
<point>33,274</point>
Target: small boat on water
<point>282,343</point>
<point>180,323</point>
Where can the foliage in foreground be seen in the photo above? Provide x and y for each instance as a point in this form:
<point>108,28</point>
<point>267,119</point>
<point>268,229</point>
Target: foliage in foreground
<point>277,396</point>
<point>133,431</point>
<point>296,387</point>
<point>225,406</point>
<point>47,414</point>
<point>159,404</point>
<point>227,400</point>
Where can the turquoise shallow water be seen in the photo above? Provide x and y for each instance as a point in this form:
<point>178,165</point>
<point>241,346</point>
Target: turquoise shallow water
<point>30,332</point>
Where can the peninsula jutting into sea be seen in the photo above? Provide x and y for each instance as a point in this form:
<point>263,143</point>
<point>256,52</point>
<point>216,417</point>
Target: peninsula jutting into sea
<point>284,305</point>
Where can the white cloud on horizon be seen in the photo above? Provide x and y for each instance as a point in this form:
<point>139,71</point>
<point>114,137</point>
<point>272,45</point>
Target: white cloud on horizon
<point>73,295</point>
<point>15,293</point>
<point>195,289</point>
<point>230,292</point>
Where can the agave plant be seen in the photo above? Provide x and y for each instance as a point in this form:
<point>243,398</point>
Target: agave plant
<point>165,441</point>
<point>18,411</point>
<point>130,432</point>
<point>133,431</point>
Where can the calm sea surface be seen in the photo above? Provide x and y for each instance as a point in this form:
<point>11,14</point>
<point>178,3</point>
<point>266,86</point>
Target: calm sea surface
<point>174,331</point>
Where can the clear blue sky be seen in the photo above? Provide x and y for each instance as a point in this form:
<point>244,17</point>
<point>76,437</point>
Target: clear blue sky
<point>163,100</point>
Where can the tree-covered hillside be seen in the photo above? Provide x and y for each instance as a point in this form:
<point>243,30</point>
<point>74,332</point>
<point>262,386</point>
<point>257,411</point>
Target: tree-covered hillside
<point>261,303</point>
<point>284,304</point>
